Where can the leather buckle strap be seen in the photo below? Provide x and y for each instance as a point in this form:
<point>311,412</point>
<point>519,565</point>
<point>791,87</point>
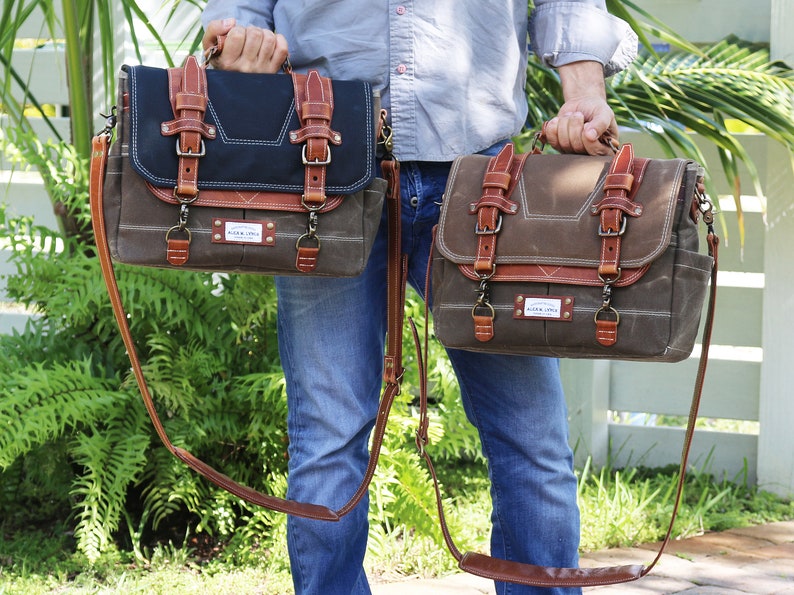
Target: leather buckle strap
<point>615,205</point>
<point>314,103</point>
<point>614,209</point>
<point>187,87</point>
<point>187,91</point>
<point>499,182</point>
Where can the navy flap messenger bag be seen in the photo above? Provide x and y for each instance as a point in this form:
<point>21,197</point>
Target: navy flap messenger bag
<point>227,171</point>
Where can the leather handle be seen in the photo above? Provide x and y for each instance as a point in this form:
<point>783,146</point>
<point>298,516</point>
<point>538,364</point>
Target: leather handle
<point>101,146</point>
<point>540,138</point>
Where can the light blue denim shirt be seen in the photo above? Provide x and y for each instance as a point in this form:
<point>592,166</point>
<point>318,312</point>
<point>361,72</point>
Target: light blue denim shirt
<point>450,72</point>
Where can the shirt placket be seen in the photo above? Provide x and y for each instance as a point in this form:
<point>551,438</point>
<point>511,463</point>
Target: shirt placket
<point>402,75</point>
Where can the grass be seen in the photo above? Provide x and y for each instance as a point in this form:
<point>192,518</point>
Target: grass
<point>619,508</point>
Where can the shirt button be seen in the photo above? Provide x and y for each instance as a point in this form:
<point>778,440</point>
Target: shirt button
<point>402,69</point>
<point>414,201</point>
<point>401,10</point>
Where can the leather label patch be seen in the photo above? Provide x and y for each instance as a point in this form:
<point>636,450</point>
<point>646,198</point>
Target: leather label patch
<point>236,231</point>
<point>543,307</point>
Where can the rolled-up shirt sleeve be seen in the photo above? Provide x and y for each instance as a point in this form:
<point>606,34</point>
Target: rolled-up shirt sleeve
<point>245,12</point>
<point>571,31</point>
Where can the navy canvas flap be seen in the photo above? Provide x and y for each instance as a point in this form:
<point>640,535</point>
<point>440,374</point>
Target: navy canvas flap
<point>253,114</point>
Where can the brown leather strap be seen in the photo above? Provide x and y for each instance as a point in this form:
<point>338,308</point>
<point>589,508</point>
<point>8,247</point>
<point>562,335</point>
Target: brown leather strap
<point>187,92</point>
<point>613,208</point>
<point>504,170</point>
<point>620,184</point>
<point>500,179</point>
<point>101,145</point>
<point>188,95</point>
<point>546,576</point>
<point>314,102</point>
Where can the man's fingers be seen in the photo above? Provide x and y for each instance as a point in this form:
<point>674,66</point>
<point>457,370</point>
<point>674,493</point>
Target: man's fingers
<point>281,51</point>
<point>252,49</point>
<point>252,45</point>
<point>569,129</point>
<point>214,30</point>
<point>581,131</point>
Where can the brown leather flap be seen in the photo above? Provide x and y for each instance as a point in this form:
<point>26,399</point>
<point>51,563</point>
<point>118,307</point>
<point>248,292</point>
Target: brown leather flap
<point>554,225</point>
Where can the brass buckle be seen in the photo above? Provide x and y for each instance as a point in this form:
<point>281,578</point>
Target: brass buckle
<point>178,228</point>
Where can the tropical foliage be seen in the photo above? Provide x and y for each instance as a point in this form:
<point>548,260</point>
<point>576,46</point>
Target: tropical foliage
<point>75,435</point>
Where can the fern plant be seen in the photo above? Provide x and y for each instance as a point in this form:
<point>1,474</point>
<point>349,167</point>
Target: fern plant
<point>210,353</point>
<point>209,347</point>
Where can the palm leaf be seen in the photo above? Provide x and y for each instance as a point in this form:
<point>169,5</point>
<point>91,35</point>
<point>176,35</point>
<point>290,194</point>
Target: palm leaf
<point>730,80</point>
<point>648,25</point>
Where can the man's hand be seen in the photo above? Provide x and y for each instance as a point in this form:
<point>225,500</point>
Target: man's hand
<point>585,116</point>
<point>245,49</point>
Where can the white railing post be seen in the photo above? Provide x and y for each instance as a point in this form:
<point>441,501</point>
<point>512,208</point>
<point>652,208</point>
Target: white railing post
<point>587,386</point>
<point>776,440</point>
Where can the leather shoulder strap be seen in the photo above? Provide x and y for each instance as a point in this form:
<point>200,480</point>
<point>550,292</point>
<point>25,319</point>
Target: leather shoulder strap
<point>393,377</point>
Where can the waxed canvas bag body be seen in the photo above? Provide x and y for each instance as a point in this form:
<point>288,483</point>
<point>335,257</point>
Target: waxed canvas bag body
<point>571,256</point>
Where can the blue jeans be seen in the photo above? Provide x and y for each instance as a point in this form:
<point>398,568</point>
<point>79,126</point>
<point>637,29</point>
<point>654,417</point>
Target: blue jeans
<point>331,334</point>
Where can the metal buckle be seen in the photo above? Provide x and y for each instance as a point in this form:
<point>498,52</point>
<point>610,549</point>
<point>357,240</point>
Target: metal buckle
<point>178,228</point>
<point>610,281</point>
<point>307,237</point>
<point>486,305</point>
<point>312,208</point>
<point>316,161</point>
<point>110,122</point>
<point>486,231</point>
<point>189,153</point>
<point>185,201</point>
<point>613,234</point>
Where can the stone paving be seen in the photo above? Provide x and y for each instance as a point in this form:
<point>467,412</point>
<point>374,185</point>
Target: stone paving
<point>756,560</point>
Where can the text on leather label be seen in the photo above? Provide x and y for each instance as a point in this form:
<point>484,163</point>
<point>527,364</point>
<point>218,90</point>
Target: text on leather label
<point>234,231</point>
<point>543,307</point>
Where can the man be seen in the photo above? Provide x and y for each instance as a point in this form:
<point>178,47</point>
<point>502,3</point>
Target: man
<point>451,74</point>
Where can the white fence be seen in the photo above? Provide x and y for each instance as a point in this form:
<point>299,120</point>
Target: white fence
<point>749,376</point>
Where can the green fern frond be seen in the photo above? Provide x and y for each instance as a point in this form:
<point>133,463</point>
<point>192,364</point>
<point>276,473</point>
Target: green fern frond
<point>162,300</point>
<point>40,403</point>
<point>181,376</point>
<point>403,495</point>
<point>113,457</point>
